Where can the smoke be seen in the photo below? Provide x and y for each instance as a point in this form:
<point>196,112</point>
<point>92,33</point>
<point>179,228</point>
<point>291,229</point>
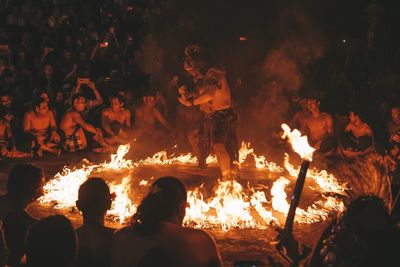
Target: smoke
<point>284,73</point>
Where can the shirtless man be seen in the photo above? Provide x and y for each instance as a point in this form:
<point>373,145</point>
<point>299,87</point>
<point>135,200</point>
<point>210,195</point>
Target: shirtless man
<point>146,117</point>
<point>38,123</point>
<point>7,144</point>
<point>319,128</point>
<point>223,119</point>
<point>358,137</point>
<point>72,125</point>
<point>116,121</point>
<point>156,235</point>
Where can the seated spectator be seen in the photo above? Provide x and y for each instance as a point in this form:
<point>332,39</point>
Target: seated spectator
<point>72,126</point>
<point>51,242</point>
<point>87,83</point>
<point>24,186</point>
<point>393,124</point>
<point>7,143</point>
<point>45,96</point>
<point>157,237</point>
<point>319,128</point>
<point>146,117</point>
<point>357,139</point>
<point>116,121</point>
<point>40,127</point>
<point>94,239</point>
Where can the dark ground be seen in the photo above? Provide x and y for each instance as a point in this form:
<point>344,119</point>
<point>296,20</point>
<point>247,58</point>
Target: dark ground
<point>236,244</point>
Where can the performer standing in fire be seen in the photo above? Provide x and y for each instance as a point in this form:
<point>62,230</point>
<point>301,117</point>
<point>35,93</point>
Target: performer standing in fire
<point>213,96</point>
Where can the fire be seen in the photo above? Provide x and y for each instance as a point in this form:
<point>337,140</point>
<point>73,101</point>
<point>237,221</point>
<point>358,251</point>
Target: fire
<point>62,190</point>
<point>228,206</point>
<point>279,202</point>
<point>161,158</point>
<point>121,207</point>
<point>299,143</point>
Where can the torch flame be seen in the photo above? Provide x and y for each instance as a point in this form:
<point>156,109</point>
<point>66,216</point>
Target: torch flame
<point>299,143</point>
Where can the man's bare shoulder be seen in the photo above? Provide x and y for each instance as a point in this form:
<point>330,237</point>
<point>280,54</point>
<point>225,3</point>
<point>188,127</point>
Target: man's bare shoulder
<point>29,114</point>
<point>326,116</point>
<point>199,236</point>
<point>106,111</point>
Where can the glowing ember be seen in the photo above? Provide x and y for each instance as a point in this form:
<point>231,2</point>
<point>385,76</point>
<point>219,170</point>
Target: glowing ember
<point>299,143</point>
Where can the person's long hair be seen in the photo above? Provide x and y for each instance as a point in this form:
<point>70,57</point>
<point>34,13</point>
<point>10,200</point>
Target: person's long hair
<point>162,203</point>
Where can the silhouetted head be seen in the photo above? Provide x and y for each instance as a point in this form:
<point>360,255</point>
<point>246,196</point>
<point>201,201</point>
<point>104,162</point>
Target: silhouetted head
<point>25,184</point>
<point>94,198</point>
<point>51,242</point>
<point>165,201</point>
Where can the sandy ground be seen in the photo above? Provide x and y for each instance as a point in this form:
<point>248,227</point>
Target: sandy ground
<point>236,244</point>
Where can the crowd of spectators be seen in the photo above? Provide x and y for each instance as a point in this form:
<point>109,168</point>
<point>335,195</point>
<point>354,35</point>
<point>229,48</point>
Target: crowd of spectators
<point>57,57</point>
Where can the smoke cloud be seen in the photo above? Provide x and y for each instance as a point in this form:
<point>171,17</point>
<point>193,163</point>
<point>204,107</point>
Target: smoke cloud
<point>284,73</point>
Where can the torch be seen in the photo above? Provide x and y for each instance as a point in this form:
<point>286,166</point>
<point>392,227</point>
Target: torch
<point>286,244</point>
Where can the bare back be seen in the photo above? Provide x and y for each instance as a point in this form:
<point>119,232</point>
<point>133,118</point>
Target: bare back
<point>188,247</point>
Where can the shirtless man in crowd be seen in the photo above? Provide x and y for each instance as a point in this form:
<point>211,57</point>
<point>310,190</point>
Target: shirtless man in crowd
<point>223,119</point>
<point>357,139</point>
<point>72,124</point>
<point>116,121</point>
<point>146,117</point>
<point>40,125</point>
<point>319,128</point>
<point>7,143</point>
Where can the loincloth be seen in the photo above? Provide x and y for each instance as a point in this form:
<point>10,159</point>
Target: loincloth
<point>74,142</point>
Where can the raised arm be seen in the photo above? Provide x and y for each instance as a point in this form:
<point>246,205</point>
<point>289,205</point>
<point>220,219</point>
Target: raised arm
<point>99,100</point>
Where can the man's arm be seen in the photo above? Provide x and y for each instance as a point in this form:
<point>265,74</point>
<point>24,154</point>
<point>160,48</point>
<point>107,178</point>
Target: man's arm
<point>86,126</point>
<point>162,120</point>
<point>127,118</point>
<point>53,126</point>
<point>27,124</point>
<point>206,96</point>
<point>99,100</point>
<point>329,124</point>
<point>105,122</point>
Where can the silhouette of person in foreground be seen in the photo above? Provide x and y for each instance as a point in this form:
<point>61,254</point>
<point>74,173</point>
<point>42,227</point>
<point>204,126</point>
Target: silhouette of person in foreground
<point>156,236</point>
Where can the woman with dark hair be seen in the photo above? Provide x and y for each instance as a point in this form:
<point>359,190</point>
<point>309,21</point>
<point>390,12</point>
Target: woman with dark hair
<point>156,236</point>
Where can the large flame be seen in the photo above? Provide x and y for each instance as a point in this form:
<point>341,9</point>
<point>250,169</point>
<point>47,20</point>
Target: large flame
<point>229,205</point>
<point>299,143</point>
<point>62,190</point>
